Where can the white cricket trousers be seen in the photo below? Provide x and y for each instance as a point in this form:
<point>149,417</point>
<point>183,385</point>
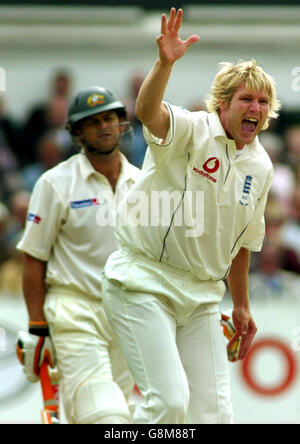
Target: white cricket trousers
<point>174,345</point>
<point>94,377</point>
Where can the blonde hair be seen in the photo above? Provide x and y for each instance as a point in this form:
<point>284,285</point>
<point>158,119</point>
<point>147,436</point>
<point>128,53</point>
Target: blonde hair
<point>231,76</point>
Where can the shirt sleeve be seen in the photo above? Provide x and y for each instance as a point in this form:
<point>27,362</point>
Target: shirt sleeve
<point>178,137</point>
<point>255,232</point>
<point>44,218</point>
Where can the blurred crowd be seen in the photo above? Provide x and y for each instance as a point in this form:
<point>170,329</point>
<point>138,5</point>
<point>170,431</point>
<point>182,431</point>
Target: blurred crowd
<point>39,142</point>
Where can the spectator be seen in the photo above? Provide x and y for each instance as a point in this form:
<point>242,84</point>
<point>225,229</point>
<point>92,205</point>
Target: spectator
<point>11,227</point>
<point>62,83</point>
<point>19,207</point>
<point>292,140</point>
<point>288,117</point>
<point>276,225</point>
<point>4,220</point>
<point>291,230</point>
<point>297,173</point>
<point>10,179</point>
<point>9,130</point>
<point>56,118</point>
<point>271,281</point>
<point>137,150</point>
<point>283,184</point>
<point>50,153</point>
<point>47,117</point>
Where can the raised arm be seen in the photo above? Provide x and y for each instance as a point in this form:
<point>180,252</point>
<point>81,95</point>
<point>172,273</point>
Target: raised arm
<point>149,107</point>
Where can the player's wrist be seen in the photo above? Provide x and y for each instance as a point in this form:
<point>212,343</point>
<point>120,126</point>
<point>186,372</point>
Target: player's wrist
<point>38,328</point>
<point>241,301</point>
<point>241,307</point>
<point>164,63</point>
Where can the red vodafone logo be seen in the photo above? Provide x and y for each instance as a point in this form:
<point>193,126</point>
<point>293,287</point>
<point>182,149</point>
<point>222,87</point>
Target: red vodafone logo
<point>211,165</point>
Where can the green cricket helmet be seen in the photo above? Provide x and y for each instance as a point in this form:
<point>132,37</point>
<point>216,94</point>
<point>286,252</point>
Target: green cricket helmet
<point>91,101</point>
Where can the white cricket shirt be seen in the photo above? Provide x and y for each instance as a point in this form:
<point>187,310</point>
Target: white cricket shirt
<point>71,222</point>
<point>216,199</point>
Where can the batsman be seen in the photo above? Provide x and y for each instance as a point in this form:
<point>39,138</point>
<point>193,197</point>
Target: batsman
<point>163,287</point>
<point>65,248</point>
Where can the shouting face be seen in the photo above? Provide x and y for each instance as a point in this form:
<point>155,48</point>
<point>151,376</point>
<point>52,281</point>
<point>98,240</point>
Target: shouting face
<point>244,117</point>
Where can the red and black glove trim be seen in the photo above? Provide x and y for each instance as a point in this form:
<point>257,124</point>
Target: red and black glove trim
<point>39,328</point>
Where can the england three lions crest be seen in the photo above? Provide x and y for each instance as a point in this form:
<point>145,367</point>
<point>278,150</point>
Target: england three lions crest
<point>246,190</point>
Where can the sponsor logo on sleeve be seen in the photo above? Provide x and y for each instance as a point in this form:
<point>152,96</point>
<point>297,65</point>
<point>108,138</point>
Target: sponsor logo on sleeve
<point>84,203</point>
<point>34,218</point>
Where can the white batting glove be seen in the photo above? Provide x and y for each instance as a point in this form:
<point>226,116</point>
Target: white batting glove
<point>33,348</point>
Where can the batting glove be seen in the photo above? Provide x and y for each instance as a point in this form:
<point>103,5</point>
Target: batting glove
<point>33,348</point>
<point>229,331</point>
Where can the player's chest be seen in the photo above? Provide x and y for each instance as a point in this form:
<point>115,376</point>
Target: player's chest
<point>95,205</point>
<point>223,178</point>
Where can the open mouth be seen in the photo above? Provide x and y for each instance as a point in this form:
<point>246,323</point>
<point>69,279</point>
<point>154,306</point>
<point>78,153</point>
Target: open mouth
<point>249,125</point>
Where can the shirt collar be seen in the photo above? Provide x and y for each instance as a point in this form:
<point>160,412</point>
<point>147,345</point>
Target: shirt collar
<point>126,172</point>
<point>87,168</point>
<point>215,125</point>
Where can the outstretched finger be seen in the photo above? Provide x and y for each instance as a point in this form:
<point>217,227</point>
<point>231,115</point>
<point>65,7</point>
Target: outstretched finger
<point>178,20</point>
<point>191,40</point>
<point>171,20</point>
<point>163,24</point>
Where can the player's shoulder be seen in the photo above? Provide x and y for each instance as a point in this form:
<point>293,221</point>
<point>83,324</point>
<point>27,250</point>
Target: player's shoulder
<point>131,170</point>
<point>62,172</point>
<point>196,121</point>
<point>188,113</point>
<point>263,155</point>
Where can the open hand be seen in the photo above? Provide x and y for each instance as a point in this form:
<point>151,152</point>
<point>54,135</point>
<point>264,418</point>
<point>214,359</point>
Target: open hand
<point>171,47</point>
